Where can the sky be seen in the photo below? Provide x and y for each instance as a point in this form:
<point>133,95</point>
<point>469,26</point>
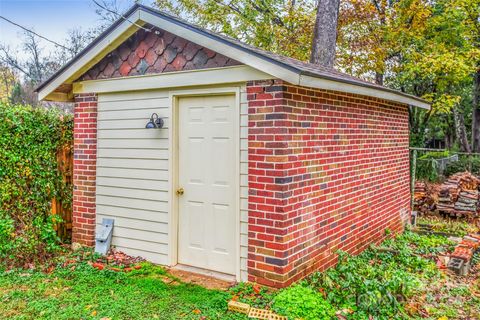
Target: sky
<point>49,18</point>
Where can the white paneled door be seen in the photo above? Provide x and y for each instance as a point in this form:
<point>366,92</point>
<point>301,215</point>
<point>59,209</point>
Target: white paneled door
<point>206,183</point>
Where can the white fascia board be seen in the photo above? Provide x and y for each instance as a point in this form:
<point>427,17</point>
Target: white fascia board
<point>92,56</point>
<point>222,48</point>
<point>178,79</point>
<point>309,81</point>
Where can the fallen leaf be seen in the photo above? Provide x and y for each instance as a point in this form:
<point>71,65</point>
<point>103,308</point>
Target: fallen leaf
<point>196,311</point>
<point>98,266</point>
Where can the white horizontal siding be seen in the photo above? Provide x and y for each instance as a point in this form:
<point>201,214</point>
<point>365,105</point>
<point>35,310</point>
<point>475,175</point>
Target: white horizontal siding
<point>133,96</point>
<point>131,133</point>
<point>134,203</point>
<point>133,182</point>
<point>154,195</point>
<point>144,248</point>
<point>145,103</point>
<point>117,211</point>
<point>131,123</point>
<point>140,113</point>
<point>136,153</point>
<point>132,172</point>
<point>133,143</point>
<point>156,164</point>
<point>135,223</point>
<point>144,174</point>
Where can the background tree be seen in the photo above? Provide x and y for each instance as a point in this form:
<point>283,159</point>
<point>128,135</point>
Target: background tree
<point>426,48</point>
<point>8,78</point>
<point>325,33</point>
<point>284,27</point>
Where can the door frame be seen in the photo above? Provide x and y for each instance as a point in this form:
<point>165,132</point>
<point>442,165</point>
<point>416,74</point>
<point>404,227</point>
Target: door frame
<point>174,96</point>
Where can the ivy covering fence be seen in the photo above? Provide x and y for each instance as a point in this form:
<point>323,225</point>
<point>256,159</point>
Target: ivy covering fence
<point>29,179</point>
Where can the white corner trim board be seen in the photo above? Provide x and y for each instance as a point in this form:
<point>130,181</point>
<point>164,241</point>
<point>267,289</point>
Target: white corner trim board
<point>179,79</point>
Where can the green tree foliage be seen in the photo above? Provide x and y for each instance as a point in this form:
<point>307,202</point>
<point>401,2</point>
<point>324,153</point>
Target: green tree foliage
<point>440,64</point>
<point>29,179</point>
<point>426,48</point>
<point>284,27</point>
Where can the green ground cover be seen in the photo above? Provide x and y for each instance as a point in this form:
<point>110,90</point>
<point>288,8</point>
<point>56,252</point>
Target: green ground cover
<point>398,280</point>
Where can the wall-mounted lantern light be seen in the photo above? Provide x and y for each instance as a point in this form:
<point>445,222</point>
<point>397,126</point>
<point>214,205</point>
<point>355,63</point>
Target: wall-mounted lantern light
<point>155,122</point>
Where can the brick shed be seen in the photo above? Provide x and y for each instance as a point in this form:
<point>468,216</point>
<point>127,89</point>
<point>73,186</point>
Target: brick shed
<point>260,168</point>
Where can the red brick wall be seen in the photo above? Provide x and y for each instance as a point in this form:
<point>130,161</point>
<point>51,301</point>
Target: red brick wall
<point>84,168</point>
<point>327,171</point>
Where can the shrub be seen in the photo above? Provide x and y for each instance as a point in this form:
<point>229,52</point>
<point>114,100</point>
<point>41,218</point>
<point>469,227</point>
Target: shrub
<point>301,302</point>
<point>465,163</point>
<point>427,169</point>
<point>29,179</point>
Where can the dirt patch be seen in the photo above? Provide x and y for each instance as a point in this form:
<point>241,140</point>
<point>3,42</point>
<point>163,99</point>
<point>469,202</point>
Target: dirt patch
<point>201,280</point>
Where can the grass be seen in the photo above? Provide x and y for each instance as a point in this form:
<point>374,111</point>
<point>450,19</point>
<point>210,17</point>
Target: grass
<point>86,293</point>
<point>450,226</point>
<point>398,280</point>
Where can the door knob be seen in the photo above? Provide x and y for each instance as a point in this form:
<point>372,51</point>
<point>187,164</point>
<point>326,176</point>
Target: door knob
<point>180,191</point>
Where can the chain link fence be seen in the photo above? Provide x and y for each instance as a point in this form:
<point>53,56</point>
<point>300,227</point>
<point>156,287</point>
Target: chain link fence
<point>434,165</point>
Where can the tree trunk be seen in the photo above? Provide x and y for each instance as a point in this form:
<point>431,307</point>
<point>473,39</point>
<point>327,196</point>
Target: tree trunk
<point>476,113</point>
<point>459,123</point>
<point>379,78</point>
<point>325,33</point>
<point>449,133</point>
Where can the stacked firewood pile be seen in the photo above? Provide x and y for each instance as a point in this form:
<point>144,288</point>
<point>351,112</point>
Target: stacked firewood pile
<point>459,195</point>
<point>425,196</point>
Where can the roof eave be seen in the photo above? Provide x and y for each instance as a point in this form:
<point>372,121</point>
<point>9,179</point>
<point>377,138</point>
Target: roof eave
<point>129,14</point>
<point>355,88</point>
<point>140,14</point>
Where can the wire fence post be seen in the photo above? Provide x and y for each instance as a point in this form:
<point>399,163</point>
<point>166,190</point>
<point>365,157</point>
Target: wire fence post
<point>412,178</point>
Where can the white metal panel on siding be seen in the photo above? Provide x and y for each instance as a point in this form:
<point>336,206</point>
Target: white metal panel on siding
<point>132,172</point>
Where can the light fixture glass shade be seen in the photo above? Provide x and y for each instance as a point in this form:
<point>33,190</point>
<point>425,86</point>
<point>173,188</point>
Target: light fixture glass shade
<point>154,122</point>
<point>150,125</point>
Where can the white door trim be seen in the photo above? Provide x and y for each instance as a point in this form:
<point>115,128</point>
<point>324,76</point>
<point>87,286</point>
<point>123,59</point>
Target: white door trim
<point>174,95</point>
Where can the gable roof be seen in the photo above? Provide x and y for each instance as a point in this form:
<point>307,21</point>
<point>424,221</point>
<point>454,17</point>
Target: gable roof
<point>282,67</point>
